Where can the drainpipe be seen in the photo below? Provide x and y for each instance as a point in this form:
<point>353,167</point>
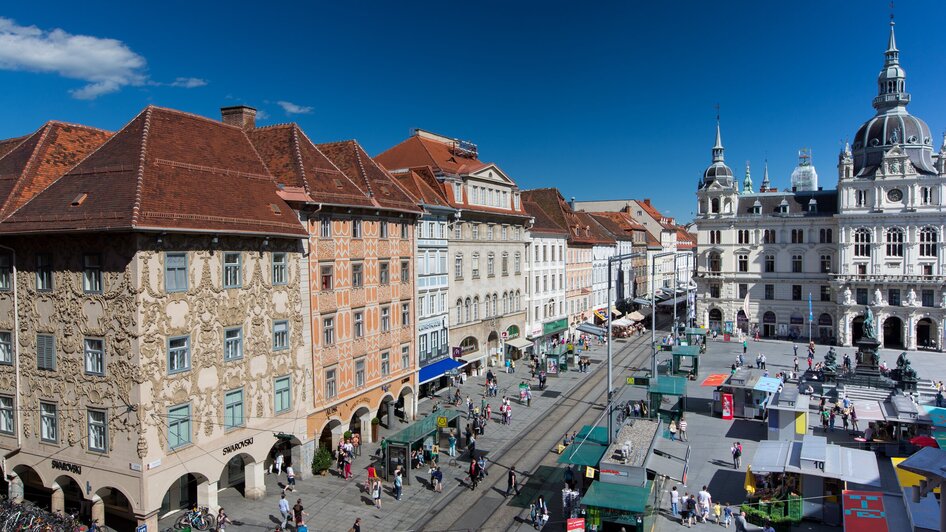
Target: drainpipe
<point>16,350</point>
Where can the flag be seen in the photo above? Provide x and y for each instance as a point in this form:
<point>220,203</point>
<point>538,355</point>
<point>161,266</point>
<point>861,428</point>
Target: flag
<point>745,306</point>
<point>811,314</point>
<point>750,481</point>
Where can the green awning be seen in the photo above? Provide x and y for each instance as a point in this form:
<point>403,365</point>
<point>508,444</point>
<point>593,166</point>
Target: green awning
<point>695,331</point>
<point>421,429</point>
<point>667,385</point>
<point>585,454</point>
<point>618,496</point>
<point>686,351</point>
<point>597,435</point>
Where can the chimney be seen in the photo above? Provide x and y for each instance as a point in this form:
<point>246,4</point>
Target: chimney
<point>571,203</point>
<point>242,116</point>
<point>646,201</point>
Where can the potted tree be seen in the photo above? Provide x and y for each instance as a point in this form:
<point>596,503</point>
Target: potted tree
<point>321,462</point>
<point>375,426</point>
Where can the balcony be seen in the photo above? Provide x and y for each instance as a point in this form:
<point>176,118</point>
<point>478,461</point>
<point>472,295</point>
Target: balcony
<point>925,280</point>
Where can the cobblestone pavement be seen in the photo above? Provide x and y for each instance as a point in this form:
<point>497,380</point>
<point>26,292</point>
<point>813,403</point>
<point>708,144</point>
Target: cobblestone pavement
<point>333,503</point>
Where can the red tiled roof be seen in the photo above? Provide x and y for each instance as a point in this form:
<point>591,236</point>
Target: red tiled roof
<point>550,200</point>
<point>542,222</point>
<point>165,170</point>
<point>296,163</point>
<point>421,183</point>
<point>596,231</point>
<point>381,187</point>
<point>35,161</point>
<point>613,227</point>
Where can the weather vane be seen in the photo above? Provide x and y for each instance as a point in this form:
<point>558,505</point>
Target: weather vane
<point>891,12</point>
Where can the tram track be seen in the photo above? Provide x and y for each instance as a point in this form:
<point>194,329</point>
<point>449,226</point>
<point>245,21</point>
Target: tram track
<point>485,509</point>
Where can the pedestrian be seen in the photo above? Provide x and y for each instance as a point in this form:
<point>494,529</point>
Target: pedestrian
<point>824,419</point>
<point>471,446</point>
<point>376,493</point>
<point>278,463</point>
<point>736,451</point>
<point>811,358</point>
<point>939,398</point>
<point>691,511</point>
<point>356,527</point>
<point>758,361</point>
<point>437,479</point>
<point>741,525</point>
<point>299,513</point>
<point>831,419</point>
<point>284,510</point>
<point>845,414</point>
<point>682,428</point>
<point>853,418</point>
<point>705,502</point>
<point>795,362</point>
<point>762,355</point>
<point>534,515</point>
<point>768,526</point>
<point>512,481</point>
<point>795,349</point>
<point>685,511</point>
<point>222,520</point>
<point>742,359</point>
<point>745,346</point>
<point>290,478</point>
<point>674,501</point>
<point>673,430</point>
<point>398,483</point>
<point>718,512</point>
<point>474,474</point>
<point>489,413</point>
<point>452,440</point>
<point>727,515</point>
<point>543,511</point>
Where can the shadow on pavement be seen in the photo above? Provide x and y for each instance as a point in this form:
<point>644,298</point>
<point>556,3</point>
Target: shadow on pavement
<point>545,480</point>
<point>746,429</point>
<point>727,486</point>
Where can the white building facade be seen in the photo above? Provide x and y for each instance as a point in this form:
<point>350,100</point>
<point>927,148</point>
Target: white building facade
<point>546,318</point>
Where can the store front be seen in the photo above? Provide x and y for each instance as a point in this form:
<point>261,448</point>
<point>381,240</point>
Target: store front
<point>768,324</point>
<point>550,336</point>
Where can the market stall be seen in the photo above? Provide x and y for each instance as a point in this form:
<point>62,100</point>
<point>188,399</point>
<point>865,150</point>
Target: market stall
<point>788,415</point>
<point>667,395</point>
<point>902,421</point>
<point>748,391</point>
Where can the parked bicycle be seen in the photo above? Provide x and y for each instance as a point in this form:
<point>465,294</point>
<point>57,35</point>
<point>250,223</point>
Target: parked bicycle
<point>199,518</point>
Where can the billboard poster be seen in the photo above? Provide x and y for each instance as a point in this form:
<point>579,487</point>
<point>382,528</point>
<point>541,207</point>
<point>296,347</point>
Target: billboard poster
<point>727,406</point>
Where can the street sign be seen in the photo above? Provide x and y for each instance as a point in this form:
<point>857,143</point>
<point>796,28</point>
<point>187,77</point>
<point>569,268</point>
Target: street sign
<point>457,352</point>
<point>142,528</point>
<point>442,422</point>
<point>639,381</point>
<point>504,335</point>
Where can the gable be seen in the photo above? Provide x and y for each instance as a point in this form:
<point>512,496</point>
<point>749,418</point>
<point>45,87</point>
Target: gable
<point>492,173</point>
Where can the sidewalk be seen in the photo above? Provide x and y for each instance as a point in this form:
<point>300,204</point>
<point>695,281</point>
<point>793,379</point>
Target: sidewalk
<point>333,503</point>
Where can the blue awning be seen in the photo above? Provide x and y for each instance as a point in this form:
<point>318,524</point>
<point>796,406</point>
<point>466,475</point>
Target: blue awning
<point>435,370</point>
<point>767,384</point>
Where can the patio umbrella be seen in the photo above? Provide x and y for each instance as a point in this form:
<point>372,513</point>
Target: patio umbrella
<point>750,481</point>
<point>924,441</point>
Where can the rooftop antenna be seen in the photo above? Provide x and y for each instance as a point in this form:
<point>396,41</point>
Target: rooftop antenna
<point>891,12</point>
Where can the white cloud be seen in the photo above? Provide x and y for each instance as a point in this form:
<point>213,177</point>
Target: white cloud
<point>188,83</point>
<point>262,115</point>
<point>107,65</point>
<point>294,109</point>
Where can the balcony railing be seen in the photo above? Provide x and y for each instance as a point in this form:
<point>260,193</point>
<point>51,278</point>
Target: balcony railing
<point>890,279</point>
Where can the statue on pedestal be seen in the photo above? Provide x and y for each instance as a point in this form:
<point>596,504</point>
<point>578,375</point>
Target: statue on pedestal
<point>869,332</point>
<point>831,360</point>
<point>848,299</point>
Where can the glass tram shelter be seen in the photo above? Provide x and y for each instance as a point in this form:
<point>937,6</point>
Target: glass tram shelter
<point>428,435</point>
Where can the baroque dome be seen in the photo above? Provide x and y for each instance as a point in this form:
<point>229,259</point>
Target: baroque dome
<point>717,170</point>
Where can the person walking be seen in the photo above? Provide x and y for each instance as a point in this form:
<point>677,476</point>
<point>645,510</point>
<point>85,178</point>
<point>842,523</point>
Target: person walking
<point>291,478</point>
<point>284,511</point>
<point>278,463</point>
<point>222,520</point>
<point>436,477</point>
<point>795,363</point>
<point>299,513</point>
<point>452,440</point>
<point>474,474</point>
<point>682,428</point>
<point>376,493</point>
<point>356,527</point>
<point>831,418</point>
<point>512,481</point>
<point>745,346</point>
<point>727,515</point>
<point>811,359</point>
<point>471,446</point>
<point>673,430</point>
<point>705,502</point>
<point>736,451</point>
<point>741,525</point>
<point>685,511</point>
<point>691,511</point>
<point>758,361</point>
<point>543,510</point>
<point>534,515</point>
<point>853,418</point>
<point>674,502</point>
<point>762,358</point>
<point>398,482</point>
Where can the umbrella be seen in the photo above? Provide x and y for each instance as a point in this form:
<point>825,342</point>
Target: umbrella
<point>924,441</point>
<point>750,481</point>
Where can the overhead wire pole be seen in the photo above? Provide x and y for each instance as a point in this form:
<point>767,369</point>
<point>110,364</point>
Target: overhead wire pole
<point>611,260</point>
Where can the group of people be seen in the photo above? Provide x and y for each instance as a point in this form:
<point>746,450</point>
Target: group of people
<point>345,454</point>
<point>680,428</point>
<point>830,413</point>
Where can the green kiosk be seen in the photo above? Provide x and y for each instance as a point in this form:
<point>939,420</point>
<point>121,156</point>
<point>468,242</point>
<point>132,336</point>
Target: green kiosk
<point>667,396</point>
<point>685,360</point>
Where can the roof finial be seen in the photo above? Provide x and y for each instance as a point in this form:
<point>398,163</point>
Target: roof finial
<point>718,147</point>
<point>747,182</point>
<point>765,177</point>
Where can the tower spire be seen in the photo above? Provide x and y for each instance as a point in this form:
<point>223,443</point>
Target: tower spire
<point>892,81</point>
<point>718,147</point>
<point>747,182</point>
<point>765,177</point>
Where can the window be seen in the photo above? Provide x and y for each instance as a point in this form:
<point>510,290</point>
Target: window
<point>280,335</point>
<point>385,319</point>
<point>743,263</point>
<point>860,296</point>
<point>6,415</point>
<point>825,236</point>
<point>798,236</point>
<point>458,266</point>
<point>927,269</point>
<point>91,273</point>
<point>768,236</point>
<point>826,264</point>
<point>893,297</point>
<point>282,396</point>
<point>714,237</point>
<point>796,292</point>
<point>770,291</point>
<point>233,409</point>
<point>927,298</point>
<point>98,430</point>
<point>325,228</point>
<point>231,270</point>
<point>45,352</point>
<point>175,272</point>
<point>405,356</point>
<point>6,347</point>
<point>743,290</point>
<point>328,331</point>
<point>44,272</point>
<point>356,228</point>
<point>384,229</point>
<point>330,389</point>
<point>490,267</point>
<point>476,231</point>
<point>405,314</point>
<point>179,426</point>
<point>476,265</point>
<point>457,231</point>
<point>48,423</point>
<point>504,267</point>
<point>384,273</point>
<point>926,196</point>
<point>769,263</point>
<point>95,356</point>
<point>280,268</point>
<point>406,272</point>
<point>796,263</point>
<point>505,228</point>
<point>325,276</point>
<point>895,242</point>
<point>860,198</point>
<point>359,324</point>
<point>179,354</point>
<point>359,373</point>
<point>715,262</point>
<point>825,293</point>
<point>233,343</point>
<point>357,275</point>
<point>385,363</point>
<point>743,236</point>
<point>862,242</point>
<point>928,240</point>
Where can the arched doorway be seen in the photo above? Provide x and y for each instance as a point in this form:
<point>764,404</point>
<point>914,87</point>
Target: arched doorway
<point>826,328</point>
<point>492,347</point>
<point>926,334</point>
<point>470,347</point>
<point>404,407</point>
<point>326,437</point>
<point>234,473</point>
<point>113,509</point>
<point>716,320</point>
<point>742,321</point>
<point>857,329</point>
<point>893,333</point>
<point>768,324</point>
<point>182,493</point>
<point>67,497</point>
<point>30,487</point>
<point>386,411</point>
<point>361,423</point>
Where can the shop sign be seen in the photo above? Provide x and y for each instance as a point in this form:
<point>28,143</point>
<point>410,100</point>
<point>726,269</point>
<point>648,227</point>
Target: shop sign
<point>142,528</point>
<point>429,324</point>
<point>457,352</point>
<point>554,326</point>
<point>237,446</point>
<point>66,466</point>
<point>575,524</point>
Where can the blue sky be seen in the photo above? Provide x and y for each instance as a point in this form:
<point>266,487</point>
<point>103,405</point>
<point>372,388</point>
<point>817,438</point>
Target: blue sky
<point>602,100</point>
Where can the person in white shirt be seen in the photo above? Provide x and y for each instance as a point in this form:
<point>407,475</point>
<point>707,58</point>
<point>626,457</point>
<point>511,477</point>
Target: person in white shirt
<point>705,501</point>
<point>277,464</point>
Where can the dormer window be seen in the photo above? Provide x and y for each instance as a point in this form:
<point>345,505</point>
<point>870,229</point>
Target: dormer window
<point>783,207</point>
<point>812,205</point>
<point>757,207</point>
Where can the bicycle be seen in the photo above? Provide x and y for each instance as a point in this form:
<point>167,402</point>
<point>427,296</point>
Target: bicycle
<point>198,518</point>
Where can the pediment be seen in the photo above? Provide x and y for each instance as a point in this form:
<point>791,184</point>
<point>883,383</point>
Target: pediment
<point>493,173</point>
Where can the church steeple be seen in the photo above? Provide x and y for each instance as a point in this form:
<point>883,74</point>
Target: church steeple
<point>718,147</point>
<point>765,177</point>
<point>747,182</point>
<point>892,80</point>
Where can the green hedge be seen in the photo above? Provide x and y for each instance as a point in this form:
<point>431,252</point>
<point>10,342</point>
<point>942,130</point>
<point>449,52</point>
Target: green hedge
<point>772,512</point>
